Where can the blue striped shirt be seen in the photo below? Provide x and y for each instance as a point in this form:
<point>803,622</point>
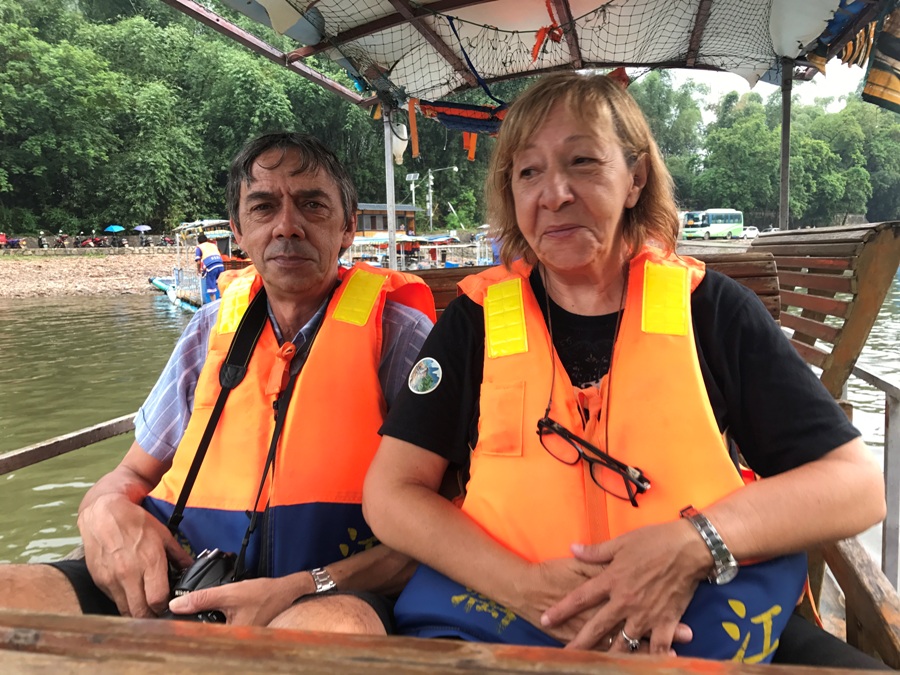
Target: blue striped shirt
<point>163,418</point>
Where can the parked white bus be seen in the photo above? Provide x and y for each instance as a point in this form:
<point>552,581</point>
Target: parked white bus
<point>716,224</point>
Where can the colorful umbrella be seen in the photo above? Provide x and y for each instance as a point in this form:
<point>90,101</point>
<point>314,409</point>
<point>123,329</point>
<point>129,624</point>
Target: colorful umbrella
<point>142,228</point>
<point>114,228</point>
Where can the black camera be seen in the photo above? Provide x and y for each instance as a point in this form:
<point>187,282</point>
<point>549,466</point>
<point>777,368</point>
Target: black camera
<point>211,568</point>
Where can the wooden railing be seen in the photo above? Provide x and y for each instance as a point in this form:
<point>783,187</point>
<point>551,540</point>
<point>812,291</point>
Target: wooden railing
<point>95,645</point>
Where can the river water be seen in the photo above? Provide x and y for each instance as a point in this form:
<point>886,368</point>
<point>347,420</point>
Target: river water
<point>65,364</point>
<point>68,363</point>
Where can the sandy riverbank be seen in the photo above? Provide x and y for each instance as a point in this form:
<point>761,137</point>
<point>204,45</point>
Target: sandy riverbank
<point>29,276</point>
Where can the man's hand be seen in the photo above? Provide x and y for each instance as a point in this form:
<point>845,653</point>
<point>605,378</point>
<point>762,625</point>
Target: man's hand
<point>546,584</point>
<point>127,552</point>
<point>649,579</point>
<point>254,602</point>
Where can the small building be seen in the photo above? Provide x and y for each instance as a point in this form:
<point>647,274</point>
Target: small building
<point>371,219</point>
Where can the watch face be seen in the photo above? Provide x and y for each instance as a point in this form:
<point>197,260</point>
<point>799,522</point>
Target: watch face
<point>727,572</point>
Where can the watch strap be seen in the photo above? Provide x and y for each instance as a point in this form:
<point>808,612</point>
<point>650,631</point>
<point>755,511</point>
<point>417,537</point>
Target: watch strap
<point>322,579</point>
<point>724,563</point>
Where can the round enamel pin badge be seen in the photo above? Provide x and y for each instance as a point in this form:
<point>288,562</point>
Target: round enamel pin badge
<point>425,376</point>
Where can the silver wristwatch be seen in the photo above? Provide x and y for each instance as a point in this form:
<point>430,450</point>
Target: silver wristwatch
<point>323,580</point>
<point>725,567</point>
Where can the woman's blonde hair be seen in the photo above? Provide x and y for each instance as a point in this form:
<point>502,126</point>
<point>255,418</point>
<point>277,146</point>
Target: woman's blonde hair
<point>593,100</point>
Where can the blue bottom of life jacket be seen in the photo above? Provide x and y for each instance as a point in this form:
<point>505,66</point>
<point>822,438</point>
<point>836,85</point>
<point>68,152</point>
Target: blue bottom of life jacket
<point>738,621</point>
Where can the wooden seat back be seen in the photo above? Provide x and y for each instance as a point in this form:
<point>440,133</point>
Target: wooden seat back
<point>756,270</point>
<point>833,282</point>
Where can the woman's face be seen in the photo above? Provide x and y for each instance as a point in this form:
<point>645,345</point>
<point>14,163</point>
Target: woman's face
<point>571,186</point>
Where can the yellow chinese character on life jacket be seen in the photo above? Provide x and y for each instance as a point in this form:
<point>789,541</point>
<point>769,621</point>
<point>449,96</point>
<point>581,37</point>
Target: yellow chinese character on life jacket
<point>734,632</point>
<point>482,604</point>
<point>361,545</point>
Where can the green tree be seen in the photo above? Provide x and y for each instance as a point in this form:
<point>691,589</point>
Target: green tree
<point>740,169</point>
<point>881,149</point>
<point>673,114</point>
<point>57,102</point>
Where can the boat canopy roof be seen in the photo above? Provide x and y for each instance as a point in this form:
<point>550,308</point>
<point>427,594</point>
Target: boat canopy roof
<point>399,49</point>
<point>214,229</point>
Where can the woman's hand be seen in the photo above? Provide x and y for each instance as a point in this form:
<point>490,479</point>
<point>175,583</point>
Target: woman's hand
<point>546,584</point>
<point>649,579</point>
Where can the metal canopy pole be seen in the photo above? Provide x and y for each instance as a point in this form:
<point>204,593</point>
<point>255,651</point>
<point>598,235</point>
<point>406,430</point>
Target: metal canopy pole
<point>389,184</point>
<point>787,81</point>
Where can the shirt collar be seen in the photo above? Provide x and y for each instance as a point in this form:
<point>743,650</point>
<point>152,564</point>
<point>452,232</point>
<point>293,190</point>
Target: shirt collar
<point>309,330</point>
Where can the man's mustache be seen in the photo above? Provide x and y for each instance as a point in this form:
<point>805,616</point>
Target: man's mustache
<point>290,248</point>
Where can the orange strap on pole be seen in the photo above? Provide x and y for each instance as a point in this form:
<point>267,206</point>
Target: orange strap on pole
<point>473,139</point>
<point>413,129</point>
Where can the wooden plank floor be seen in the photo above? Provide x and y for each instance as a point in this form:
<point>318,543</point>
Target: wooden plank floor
<point>57,645</point>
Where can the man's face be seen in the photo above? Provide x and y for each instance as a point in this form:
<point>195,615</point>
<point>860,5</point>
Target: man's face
<point>292,225</point>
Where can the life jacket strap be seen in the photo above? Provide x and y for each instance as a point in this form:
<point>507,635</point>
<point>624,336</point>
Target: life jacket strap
<point>230,375</point>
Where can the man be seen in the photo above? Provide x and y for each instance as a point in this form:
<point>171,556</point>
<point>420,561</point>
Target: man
<point>210,266</point>
<point>292,443</point>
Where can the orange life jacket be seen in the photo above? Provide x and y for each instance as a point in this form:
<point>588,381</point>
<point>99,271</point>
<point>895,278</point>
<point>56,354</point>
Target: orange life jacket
<point>660,419</point>
<point>329,438</point>
<point>209,254</point>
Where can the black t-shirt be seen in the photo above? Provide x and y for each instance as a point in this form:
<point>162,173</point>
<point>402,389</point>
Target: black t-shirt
<point>761,391</point>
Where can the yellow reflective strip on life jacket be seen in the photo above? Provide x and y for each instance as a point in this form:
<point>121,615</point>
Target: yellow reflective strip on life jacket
<point>666,298</point>
<point>359,298</point>
<point>504,319</point>
<point>234,303</point>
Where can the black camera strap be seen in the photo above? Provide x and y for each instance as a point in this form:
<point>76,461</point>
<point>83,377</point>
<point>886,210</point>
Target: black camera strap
<point>231,374</point>
<point>280,405</point>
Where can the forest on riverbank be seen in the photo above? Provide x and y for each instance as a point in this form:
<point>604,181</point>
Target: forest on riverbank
<point>126,111</point>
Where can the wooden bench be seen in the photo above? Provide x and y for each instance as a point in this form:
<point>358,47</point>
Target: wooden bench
<point>847,272</point>
<point>833,282</point>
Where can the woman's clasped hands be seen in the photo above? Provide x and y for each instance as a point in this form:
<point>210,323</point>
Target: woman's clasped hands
<point>645,581</point>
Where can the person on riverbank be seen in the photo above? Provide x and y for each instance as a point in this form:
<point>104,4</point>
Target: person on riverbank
<point>584,387</point>
<point>278,485</point>
<point>210,265</point>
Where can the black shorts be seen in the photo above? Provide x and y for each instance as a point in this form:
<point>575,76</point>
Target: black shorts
<point>382,606</point>
<point>90,597</point>
<point>95,601</point>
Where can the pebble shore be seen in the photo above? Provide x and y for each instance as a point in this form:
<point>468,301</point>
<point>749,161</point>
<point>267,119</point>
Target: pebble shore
<point>31,274</point>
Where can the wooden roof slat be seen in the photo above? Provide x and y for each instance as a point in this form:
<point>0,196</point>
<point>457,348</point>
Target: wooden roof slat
<point>239,35</point>
<point>703,10</point>
<point>434,40</point>
<point>564,14</point>
<point>863,19</point>
<point>383,23</point>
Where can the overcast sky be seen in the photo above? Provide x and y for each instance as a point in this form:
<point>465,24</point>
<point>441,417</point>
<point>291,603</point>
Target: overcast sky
<point>839,80</point>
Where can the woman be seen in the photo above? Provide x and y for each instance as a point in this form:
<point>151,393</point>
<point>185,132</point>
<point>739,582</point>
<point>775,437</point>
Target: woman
<point>594,376</point>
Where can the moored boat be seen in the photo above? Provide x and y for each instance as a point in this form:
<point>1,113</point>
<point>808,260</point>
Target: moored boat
<point>183,287</point>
